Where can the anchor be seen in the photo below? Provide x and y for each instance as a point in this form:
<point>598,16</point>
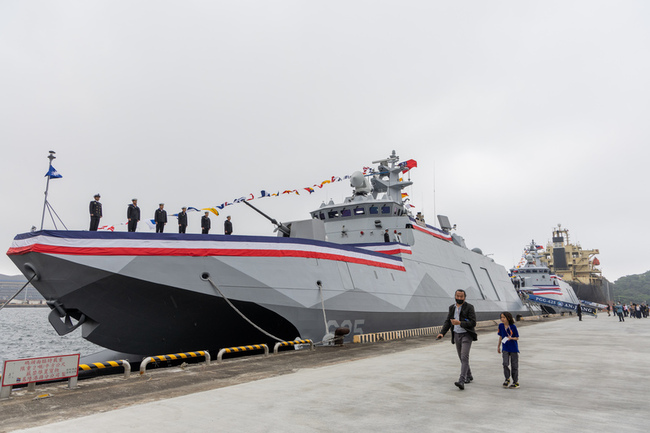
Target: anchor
<point>58,313</point>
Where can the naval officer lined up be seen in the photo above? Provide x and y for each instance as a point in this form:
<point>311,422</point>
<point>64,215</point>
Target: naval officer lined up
<point>133,215</point>
<point>95,213</point>
<point>182,220</point>
<point>160,218</point>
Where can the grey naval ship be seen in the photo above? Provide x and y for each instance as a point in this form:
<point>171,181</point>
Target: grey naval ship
<point>535,278</point>
<point>149,294</point>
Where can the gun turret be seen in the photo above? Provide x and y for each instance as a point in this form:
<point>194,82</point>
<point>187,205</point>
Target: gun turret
<point>279,226</point>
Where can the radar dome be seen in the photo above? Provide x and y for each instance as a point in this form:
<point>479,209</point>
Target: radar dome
<point>357,179</point>
<point>360,183</point>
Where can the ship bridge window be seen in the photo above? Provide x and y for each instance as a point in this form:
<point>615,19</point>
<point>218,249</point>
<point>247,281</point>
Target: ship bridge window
<point>385,209</point>
<point>359,211</point>
<point>333,214</point>
<point>321,215</point>
<point>346,213</point>
<point>374,210</point>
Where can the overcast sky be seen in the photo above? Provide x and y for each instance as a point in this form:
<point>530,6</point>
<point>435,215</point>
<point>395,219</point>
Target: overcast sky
<point>521,115</point>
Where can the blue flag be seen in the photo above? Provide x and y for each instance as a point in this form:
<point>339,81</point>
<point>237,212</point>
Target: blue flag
<point>53,174</point>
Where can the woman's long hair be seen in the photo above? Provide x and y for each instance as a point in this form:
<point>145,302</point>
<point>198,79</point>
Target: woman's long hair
<point>511,321</point>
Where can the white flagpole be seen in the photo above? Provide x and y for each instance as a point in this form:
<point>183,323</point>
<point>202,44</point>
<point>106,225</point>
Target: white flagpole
<point>47,185</point>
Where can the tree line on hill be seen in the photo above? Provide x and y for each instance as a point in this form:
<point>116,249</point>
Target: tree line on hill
<point>631,288</point>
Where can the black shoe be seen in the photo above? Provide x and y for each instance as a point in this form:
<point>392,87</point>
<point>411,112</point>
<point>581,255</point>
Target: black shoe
<point>469,379</point>
<point>460,385</point>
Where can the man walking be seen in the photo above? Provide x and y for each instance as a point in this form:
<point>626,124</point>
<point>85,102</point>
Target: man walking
<point>579,312</point>
<point>462,318</point>
<point>227,226</point>
<point>95,213</point>
<point>160,217</point>
<point>205,224</point>
<point>133,215</point>
<point>182,220</point>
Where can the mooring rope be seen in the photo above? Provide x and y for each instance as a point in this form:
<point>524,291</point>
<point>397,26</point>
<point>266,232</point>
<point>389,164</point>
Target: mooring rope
<point>322,303</point>
<point>16,294</point>
<point>242,314</point>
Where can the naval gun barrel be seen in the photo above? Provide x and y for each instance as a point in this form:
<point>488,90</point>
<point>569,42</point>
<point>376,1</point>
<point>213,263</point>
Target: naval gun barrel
<point>284,229</point>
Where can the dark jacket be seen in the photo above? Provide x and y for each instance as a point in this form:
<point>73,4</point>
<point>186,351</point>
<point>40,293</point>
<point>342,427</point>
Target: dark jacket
<point>95,209</point>
<point>205,222</point>
<point>133,212</point>
<point>182,218</point>
<point>160,216</point>
<point>227,227</point>
<point>467,320</point>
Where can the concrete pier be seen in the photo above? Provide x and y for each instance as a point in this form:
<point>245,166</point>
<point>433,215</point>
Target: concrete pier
<point>575,376</point>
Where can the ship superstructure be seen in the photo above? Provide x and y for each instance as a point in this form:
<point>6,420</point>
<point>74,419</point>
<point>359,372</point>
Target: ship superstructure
<point>571,261</point>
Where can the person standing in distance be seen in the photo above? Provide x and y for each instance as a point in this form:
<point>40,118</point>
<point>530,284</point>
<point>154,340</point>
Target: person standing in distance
<point>133,215</point>
<point>462,318</point>
<point>205,224</point>
<point>227,226</point>
<point>95,213</point>
<point>182,220</point>
<point>160,217</point>
<point>386,236</point>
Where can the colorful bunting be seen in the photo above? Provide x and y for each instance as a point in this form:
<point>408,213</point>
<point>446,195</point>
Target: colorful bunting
<point>211,209</point>
<point>367,171</point>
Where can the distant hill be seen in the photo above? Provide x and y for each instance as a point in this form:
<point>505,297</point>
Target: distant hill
<point>632,288</point>
<point>13,278</point>
<point>10,284</point>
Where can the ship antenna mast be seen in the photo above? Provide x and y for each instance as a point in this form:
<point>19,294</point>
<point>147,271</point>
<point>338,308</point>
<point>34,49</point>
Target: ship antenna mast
<point>46,204</point>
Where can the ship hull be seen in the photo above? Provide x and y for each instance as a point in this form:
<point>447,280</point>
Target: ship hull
<point>154,294</point>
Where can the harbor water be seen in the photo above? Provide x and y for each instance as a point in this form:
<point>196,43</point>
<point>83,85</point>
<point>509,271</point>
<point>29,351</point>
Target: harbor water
<point>27,333</point>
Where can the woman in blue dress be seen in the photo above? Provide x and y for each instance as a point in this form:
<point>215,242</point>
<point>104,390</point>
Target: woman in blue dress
<point>509,348</point>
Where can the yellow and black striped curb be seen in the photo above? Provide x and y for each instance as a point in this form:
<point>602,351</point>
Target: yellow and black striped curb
<point>433,330</point>
<point>108,364</point>
<point>394,335</point>
<point>98,365</point>
<point>292,343</point>
<point>174,356</point>
<point>242,349</point>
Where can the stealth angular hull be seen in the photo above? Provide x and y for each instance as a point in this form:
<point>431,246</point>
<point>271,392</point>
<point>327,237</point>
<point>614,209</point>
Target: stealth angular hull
<point>152,293</point>
<point>364,264</point>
